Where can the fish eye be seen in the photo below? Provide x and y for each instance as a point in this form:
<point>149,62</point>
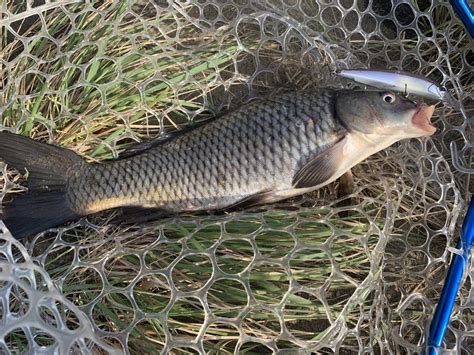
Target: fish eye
<point>389,98</point>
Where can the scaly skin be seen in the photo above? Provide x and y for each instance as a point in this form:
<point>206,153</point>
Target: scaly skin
<point>254,149</point>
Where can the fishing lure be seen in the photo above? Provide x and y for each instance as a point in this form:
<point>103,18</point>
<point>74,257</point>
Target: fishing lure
<point>397,81</point>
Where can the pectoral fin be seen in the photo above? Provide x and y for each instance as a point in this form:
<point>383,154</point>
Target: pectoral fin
<point>320,169</point>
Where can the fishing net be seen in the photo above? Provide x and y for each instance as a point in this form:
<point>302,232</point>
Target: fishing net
<point>314,274</point>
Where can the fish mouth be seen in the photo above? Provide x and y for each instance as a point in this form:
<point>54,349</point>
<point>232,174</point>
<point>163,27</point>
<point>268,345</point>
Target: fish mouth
<point>422,119</point>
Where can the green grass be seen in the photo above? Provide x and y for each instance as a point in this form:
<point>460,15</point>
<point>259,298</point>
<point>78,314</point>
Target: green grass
<point>108,112</point>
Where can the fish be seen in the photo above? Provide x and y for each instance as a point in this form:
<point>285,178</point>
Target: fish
<point>397,81</point>
<point>265,151</point>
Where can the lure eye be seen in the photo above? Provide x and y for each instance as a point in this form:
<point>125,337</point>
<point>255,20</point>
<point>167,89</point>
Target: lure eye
<point>389,98</point>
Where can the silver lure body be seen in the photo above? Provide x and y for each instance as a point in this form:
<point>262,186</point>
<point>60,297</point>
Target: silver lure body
<point>397,81</point>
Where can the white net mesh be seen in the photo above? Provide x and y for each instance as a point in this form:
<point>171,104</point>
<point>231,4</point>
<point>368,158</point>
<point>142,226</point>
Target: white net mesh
<point>94,76</point>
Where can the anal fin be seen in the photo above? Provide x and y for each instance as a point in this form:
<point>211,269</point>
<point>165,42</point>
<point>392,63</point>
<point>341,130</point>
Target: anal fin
<point>135,215</point>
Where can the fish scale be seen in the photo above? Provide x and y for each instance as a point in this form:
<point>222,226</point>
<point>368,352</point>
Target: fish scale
<point>251,150</point>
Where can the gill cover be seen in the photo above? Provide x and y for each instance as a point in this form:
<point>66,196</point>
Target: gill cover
<point>374,111</point>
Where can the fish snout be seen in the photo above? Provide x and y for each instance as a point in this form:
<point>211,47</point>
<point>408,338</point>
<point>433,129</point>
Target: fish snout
<point>422,119</point>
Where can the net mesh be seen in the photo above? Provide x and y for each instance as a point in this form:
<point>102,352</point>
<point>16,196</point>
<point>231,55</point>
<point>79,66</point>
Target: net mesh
<point>307,275</point>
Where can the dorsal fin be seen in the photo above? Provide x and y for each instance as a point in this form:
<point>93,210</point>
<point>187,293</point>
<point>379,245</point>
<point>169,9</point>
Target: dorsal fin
<point>169,136</point>
<point>161,139</point>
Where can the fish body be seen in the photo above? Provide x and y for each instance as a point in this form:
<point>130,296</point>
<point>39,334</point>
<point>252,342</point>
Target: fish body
<point>251,151</point>
<point>263,152</point>
<point>397,81</point>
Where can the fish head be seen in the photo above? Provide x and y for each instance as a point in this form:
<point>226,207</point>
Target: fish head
<point>384,113</point>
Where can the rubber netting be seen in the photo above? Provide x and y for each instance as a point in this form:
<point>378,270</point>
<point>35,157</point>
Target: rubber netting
<point>307,275</point>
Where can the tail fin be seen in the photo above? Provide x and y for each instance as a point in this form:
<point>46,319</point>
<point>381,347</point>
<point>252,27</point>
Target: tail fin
<point>45,204</point>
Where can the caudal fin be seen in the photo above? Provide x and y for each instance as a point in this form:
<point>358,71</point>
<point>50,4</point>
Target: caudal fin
<point>45,205</point>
